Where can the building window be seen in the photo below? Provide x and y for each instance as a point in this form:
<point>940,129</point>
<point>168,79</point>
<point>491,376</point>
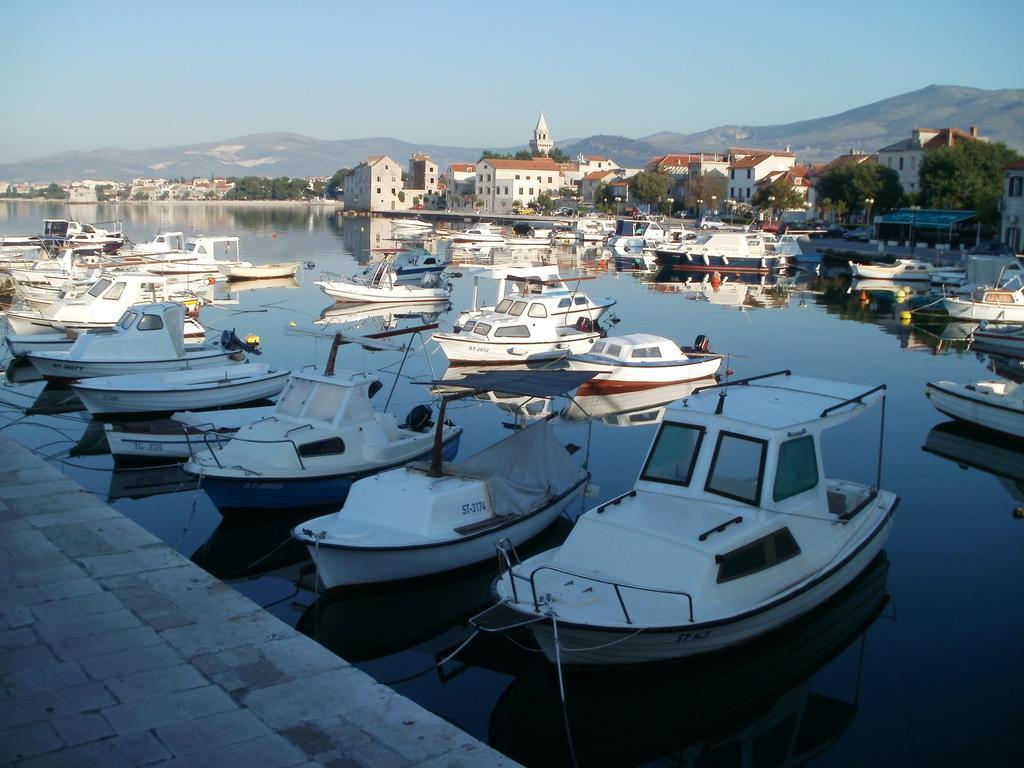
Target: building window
<point>1013,238</point>
<point>731,192</point>
<point>520,189</point>
<point>378,188</point>
<point>732,173</point>
<point>549,179</point>
<point>901,163</point>
<point>1016,186</point>
<point>748,172</point>
<point>531,190</point>
<point>517,175</point>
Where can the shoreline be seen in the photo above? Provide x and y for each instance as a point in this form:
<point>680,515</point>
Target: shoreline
<point>305,203</point>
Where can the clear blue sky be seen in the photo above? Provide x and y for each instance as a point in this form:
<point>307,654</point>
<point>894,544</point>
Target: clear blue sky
<point>79,75</point>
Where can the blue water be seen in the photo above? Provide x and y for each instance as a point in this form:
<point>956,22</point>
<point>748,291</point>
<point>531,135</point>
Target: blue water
<point>921,664</point>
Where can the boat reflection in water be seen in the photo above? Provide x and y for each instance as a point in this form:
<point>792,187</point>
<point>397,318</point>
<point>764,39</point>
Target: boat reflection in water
<point>140,482</point>
<point>383,316</point>
<point>376,622</point>
<point>985,451</point>
<point>724,709</point>
<point>54,399</point>
<point>251,545</point>
<point>630,409</point>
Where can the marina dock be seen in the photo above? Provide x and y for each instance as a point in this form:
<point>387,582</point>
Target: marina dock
<point>117,650</point>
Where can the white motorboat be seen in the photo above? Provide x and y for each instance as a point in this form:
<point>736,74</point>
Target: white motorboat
<point>322,436</point>
<point>193,332</point>
<point>995,405</point>
<point>642,360</point>
<point>244,270</point>
<point>64,233</point>
<point>147,339</point>
<point>480,234</point>
<point>425,519</point>
<point>594,230</point>
<point>206,387</point>
<point>383,285</point>
<point>177,436</point>
<point>725,252</point>
<point>1003,304</point>
<point>732,530</point>
<point>901,269</point>
<point>162,242</point>
<point>999,339</point>
<point>100,307</point>
<point>200,257</point>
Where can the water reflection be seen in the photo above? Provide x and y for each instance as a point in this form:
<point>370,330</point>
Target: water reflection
<point>142,482</point>
<point>257,544</point>
<point>630,409</point>
<point>976,449</point>
<point>750,706</point>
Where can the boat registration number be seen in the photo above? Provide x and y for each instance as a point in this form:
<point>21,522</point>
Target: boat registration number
<point>474,507</point>
<point>264,486</point>
<point>689,637</point>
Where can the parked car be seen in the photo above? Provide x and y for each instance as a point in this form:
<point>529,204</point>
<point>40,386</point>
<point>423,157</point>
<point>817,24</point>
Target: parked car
<point>709,223</point>
<point>860,234</point>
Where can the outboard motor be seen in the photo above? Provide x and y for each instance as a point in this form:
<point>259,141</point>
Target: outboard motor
<point>701,344</point>
<point>228,340</point>
<point>584,325</point>
<point>419,418</point>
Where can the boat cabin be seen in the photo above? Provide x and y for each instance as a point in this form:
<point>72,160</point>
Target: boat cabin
<point>144,332</point>
<point>211,248</point>
<point>636,348</point>
<point>638,228</point>
<point>165,242</point>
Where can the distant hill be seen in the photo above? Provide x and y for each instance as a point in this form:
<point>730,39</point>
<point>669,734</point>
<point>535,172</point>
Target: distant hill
<point>998,115</point>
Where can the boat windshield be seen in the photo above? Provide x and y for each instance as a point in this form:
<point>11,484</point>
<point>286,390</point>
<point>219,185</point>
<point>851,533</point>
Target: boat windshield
<point>127,319</point>
<point>674,454</point>
<point>503,305</point>
<point>99,287</point>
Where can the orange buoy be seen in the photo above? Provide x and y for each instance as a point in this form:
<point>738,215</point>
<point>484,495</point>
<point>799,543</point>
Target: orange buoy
<point>716,280</point>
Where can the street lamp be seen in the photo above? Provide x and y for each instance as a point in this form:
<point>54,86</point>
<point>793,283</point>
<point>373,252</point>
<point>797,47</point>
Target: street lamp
<point>913,219</point>
<point>771,209</point>
<point>714,207</point>
<point>867,216</point>
<point>618,207</point>
<point>669,200</point>
<point>700,204</point>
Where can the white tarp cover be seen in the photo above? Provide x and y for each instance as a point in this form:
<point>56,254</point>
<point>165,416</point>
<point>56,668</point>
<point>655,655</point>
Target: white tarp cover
<point>522,471</point>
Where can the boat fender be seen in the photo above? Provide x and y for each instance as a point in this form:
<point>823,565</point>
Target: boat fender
<point>584,325</point>
<point>419,419</point>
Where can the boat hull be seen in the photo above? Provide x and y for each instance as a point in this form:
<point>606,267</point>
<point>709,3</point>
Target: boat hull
<point>978,409</point>
<point>702,262</point>
<point>350,566</point>
<point>265,491</point>
<point>106,397</point>
<point>974,310</point>
<point>56,368</point>
<point>622,378</point>
<point>261,271</point>
<point>459,349</point>
<point>1008,342</point>
<point>583,645</point>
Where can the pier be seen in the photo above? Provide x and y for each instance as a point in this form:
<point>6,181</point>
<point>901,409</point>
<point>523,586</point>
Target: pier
<point>117,650</point>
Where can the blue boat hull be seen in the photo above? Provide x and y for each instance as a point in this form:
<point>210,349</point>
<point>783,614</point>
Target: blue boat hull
<point>289,493</point>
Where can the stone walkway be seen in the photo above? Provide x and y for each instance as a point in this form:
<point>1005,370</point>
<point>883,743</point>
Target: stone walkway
<point>117,650</point>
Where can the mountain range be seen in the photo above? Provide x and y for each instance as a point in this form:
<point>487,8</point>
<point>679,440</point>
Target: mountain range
<point>998,115</point>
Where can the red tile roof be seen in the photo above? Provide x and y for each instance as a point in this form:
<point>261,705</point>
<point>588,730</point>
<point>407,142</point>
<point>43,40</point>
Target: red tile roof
<point>947,137</point>
<point>597,175</point>
<point>463,167</point>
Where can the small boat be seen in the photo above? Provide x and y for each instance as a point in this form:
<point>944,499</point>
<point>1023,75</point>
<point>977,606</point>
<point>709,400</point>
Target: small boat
<point>996,304</point>
<point>244,270</point>
<point>425,519</point>
<point>162,242</point>
<point>995,405</point>
<point>147,339</point>
<point>411,264</point>
<point>198,258</point>
<point>177,436</point>
<point>383,285</point>
<point>481,234</point>
<point>60,340</point>
<point>901,269</point>
<point>642,360</point>
<point>322,436</point>
<point>732,530</point>
<point>206,387</point>
<point>1000,339</point>
<point>725,252</point>
<point>631,236</point>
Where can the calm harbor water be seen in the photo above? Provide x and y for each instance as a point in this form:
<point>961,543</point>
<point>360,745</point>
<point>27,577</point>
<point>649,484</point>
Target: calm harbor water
<point>918,663</point>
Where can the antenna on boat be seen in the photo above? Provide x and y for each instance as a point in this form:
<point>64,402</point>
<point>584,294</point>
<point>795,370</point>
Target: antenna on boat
<point>721,402</point>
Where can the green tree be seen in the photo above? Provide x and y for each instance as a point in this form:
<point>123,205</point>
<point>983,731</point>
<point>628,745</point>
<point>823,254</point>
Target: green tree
<point>604,197</point>
<point>545,203</point>
<point>568,191</point>
<point>559,156</point>
<point>851,183</point>
<point>780,195</point>
<point>650,187</point>
<point>710,187</point>
<point>336,185</point>
<point>967,176</point>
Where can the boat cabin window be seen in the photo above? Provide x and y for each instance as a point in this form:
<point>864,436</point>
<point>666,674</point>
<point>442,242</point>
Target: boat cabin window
<point>538,310</point>
<point>295,397</point>
<point>598,348</point>
<point>126,320</point>
<point>100,287</point>
<point>614,350</point>
<point>797,469</point>
<point>114,293</point>
<point>580,300</point>
<point>481,329</point>
<point>326,402</point>
<point>563,303</point>
<point>151,323</point>
<point>518,308</point>
<point>329,447</point>
<point>503,305</point>
<point>674,454</point>
<point>517,331</point>
<point>469,326</point>
<point>737,468</point>
<point>756,556</point>
<point>646,352</point>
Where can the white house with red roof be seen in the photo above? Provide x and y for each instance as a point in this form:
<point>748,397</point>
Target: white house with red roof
<point>905,157</point>
<point>749,166</point>
<point>593,181</point>
<point>460,185</point>
<point>501,184</point>
<point>374,185</point>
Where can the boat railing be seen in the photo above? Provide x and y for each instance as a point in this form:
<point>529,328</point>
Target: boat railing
<point>506,561</point>
<point>213,453</point>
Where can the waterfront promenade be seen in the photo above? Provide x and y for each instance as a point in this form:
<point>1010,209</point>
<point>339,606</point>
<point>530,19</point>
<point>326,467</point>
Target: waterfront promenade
<point>117,650</point>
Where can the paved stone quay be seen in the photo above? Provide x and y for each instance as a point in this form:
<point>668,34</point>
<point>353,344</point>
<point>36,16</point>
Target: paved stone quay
<point>117,650</point>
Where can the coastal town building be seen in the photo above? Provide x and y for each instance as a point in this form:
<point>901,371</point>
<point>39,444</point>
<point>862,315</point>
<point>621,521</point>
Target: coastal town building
<point>1013,207</point>
<point>460,185</point>
<point>375,185</point>
<point>593,182</point>
<point>905,157</point>
<point>748,166</point>
<point>503,185</point>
